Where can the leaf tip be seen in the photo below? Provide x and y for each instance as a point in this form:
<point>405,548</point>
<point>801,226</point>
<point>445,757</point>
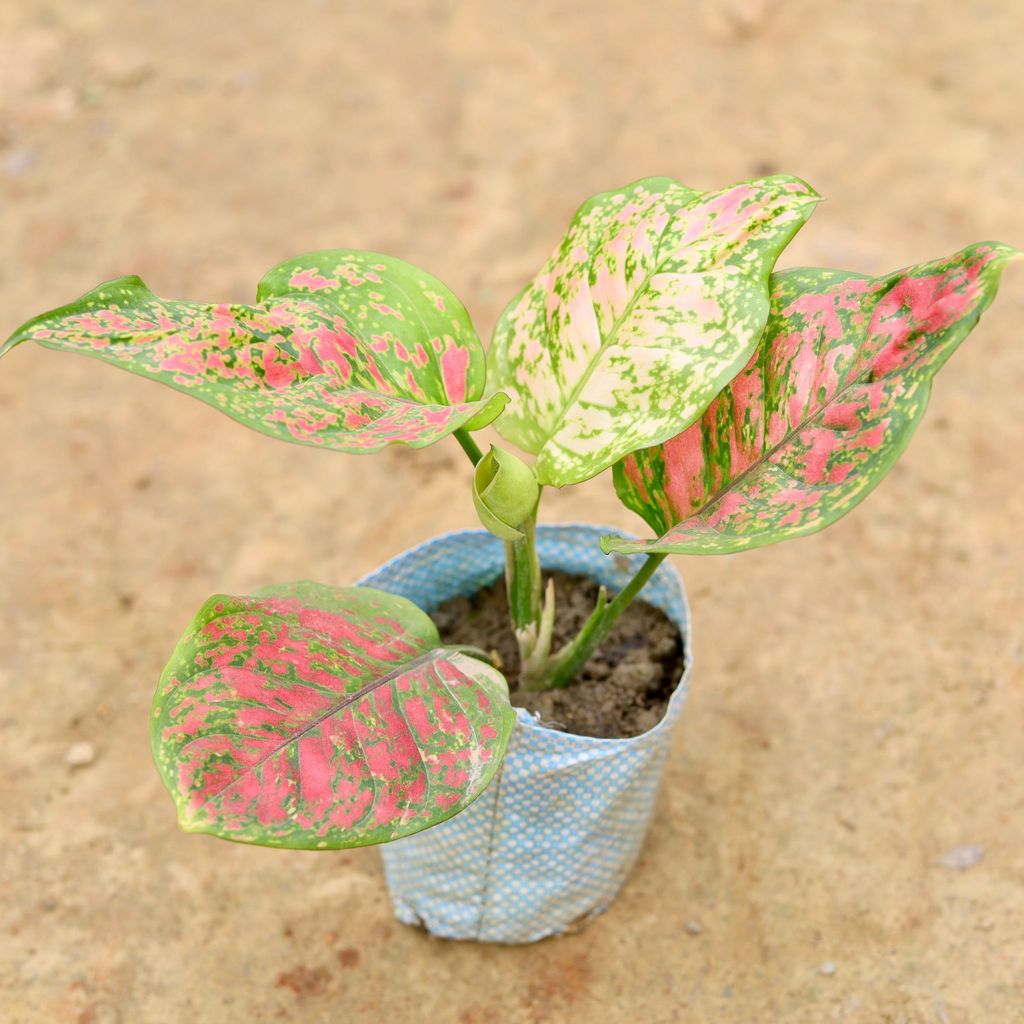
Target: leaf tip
<point>1003,252</point>
<point>802,191</point>
<point>15,339</point>
<point>188,819</point>
<point>491,409</point>
<point>615,545</point>
<point>992,259</point>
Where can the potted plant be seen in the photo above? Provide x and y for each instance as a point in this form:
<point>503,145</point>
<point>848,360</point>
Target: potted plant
<point>734,406</point>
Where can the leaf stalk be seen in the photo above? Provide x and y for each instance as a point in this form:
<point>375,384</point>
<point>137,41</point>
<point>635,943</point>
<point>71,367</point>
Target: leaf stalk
<point>469,446</point>
<point>566,664</point>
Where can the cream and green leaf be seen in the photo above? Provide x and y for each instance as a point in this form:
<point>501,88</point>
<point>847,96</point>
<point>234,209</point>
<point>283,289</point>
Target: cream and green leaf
<point>650,304</point>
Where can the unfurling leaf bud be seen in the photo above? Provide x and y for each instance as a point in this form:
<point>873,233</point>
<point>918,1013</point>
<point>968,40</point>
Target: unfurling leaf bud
<point>505,493</point>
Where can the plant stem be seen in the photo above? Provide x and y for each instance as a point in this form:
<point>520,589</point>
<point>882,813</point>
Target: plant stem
<point>469,446</point>
<point>566,664</point>
<point>522,578</point>
<point>531,606</point>
<point>625,597</point>
<point>532,610</point>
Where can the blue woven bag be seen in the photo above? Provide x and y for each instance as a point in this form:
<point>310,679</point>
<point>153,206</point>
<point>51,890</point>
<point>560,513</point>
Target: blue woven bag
<point>553,838</point>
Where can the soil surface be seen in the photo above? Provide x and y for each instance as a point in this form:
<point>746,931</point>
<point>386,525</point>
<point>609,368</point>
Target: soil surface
<point>840,831</point>
<point>622,690</point>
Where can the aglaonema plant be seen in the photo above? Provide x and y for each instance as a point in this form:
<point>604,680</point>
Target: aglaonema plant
<point>734,406</point>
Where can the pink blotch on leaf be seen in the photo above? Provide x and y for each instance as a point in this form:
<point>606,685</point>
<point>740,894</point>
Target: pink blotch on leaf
<point>275,789</point>
<point>918,307</point>
<point>385,310</point>
<point>839,472</point>
<point>312,281</point>
<point>316,773</point>
<point>277,372</point>
<point>419,718</point>
<point>819,444</point>
<point>190,360</point>
<point>820,311</point>
<point>216,776</point>
<point>684,472</point>
<point>726,507</point>
<point>446,800</point>
<point>454,370</point>
<point>87,323</point>
<point>873,439</point>
<point>746,401</point>
<point>842,416</point>
<point>798,501</point>
<point>726,205</point>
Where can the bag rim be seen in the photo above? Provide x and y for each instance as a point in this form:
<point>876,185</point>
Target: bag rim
<point>524,718</point>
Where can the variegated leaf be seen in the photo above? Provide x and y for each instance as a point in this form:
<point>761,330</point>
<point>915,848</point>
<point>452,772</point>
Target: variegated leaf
<point>819,414</point>
<point>389,356</point>
<point>404,311</point>
<point>317,717</point>
<point>651,303</point>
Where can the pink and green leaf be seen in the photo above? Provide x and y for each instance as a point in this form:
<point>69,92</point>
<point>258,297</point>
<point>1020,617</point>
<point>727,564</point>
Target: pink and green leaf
<point>820,413</point>
<point>650,304</point>
<point>389,358</point>
<point>318,717</point>
<point>409,315</point>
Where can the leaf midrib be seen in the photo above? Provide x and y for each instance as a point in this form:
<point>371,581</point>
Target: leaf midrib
<point>606,343</point>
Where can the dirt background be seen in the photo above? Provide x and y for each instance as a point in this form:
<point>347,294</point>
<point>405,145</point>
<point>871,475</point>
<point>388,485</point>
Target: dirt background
<point>858,705</point>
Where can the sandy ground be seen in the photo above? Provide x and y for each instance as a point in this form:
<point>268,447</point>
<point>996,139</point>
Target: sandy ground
<point>858,703</point>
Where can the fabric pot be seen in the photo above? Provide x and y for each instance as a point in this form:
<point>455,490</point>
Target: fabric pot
<point>553,838</point>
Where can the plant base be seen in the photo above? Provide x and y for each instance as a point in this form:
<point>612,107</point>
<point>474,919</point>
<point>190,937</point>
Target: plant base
<point>623,690</point>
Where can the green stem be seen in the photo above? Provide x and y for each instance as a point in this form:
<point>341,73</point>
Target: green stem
<point>625,597</point>
<point>469,446</point>
<point>565,666</point>
<point>522,578</point>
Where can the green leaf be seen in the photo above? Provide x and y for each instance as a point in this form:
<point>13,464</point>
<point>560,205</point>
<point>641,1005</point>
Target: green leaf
<point>379,353</point>
<point>651,303</point>
<point>319,717</point>
<point>820,413</point>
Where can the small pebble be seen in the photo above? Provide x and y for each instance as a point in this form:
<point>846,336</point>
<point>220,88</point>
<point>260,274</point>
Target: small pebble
<point>827,968</point>
<point>694,927</point>
<point>80,754</point>
<point>20,162</point>
<point>960,858</point>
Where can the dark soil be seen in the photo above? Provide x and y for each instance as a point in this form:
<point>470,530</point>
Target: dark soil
<point>622,691</point>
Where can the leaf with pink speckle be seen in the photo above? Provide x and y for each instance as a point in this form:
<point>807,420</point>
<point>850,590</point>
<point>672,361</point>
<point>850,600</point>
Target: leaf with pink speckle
<point>820,413</point>
<point>318,717</point>
<point>652,301</point>
<point>385,355</point>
